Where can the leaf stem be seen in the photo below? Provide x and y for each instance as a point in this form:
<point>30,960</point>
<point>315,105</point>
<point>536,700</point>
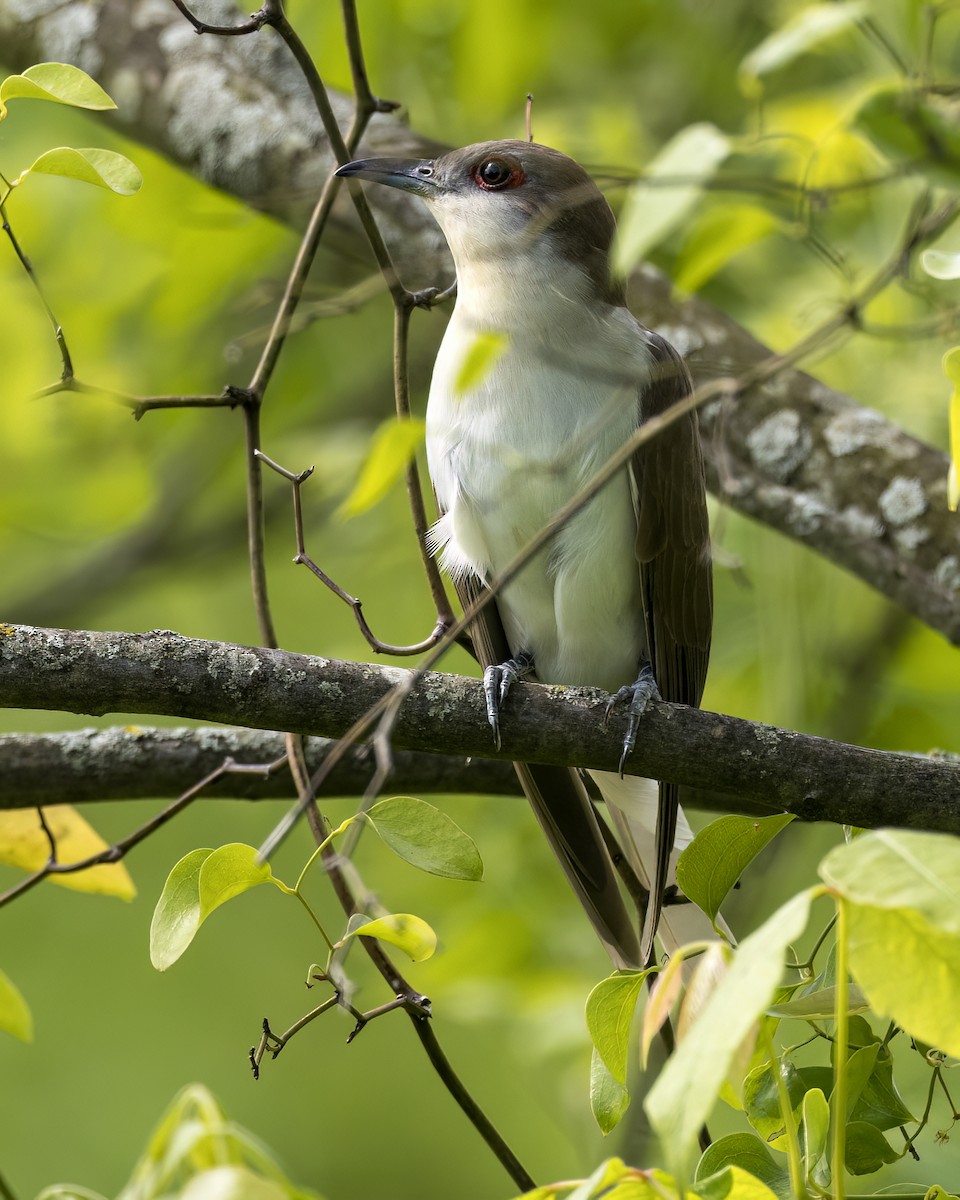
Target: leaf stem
<point>841,1053</point>
<point>797,1182</point>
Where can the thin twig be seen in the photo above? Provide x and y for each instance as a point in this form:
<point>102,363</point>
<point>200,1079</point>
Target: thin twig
<point>296,480</point>
<point>256,22</point>
<point>66,362</point>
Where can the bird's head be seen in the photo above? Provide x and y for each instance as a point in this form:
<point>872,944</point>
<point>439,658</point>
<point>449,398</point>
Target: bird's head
<point>507,201</point>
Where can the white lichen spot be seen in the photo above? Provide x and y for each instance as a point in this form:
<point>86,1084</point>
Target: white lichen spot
<point>232,666</point>
<point>902,501</point>
<point>807,513</point>
<point>149,12</point>
<point>947,572</point>
<point>854,429</point>
<point>226,123</point>
<point>685,341</point>
<point>30,10</point>
<point>910,537</point>
<point>860,523</point>
<point>779,444</point>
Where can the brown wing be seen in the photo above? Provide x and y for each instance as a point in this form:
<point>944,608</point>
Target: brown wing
<point>563,809</point>
<point>676,578</point>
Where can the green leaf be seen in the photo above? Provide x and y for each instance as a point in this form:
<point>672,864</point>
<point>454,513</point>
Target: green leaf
<point>655,205</point>
<point>914,129</point>
<point>937,1193</point>
<point>176,918</point>
<point>903,901</point>
<point>718,236</point>
<point>426,837</point>
<point>613,1180</point>
<point>733,1183</point>
<point>684,1094</point>
<point>15,1014</point>
<point>609,1099</point>
<point>392,448</point>
<point>200,882</point>
<point>232,1182</point>
<point>820,1005</point>
<point>880,1102</point>
<point>748,1153</point>
<point>480,357</point>
<point>814,1129</point>
<point>867,1149</point>
<point>717,857</point>
<point>860,1067</point>
<point>104,168</point>
<point>941,264</point>
<point>408,933</point>
<point>610,1009</point>
<point>761,1100</point>
<point>899,868</point>
<point>60,82</point>
<point>809,28</point>
<point>228,872</point>
<point>923,992</point>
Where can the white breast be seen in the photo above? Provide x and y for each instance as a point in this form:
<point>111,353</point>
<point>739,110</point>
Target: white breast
<point>507,454</point>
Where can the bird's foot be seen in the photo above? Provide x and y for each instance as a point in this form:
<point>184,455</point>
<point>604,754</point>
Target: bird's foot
<point>636,696</point>
<point>497,682</point>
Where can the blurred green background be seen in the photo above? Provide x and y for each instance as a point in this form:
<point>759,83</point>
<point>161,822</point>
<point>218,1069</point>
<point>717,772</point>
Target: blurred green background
<point>169,291</point>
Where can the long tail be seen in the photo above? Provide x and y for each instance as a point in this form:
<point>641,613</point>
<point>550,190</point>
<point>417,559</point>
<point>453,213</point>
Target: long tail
<point>566,816</point>
<point>633,805</point>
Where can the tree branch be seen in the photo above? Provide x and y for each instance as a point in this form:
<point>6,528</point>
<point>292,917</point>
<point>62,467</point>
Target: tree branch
<point>134,762</point>
<point>806,460</point>
<point>163,673</point>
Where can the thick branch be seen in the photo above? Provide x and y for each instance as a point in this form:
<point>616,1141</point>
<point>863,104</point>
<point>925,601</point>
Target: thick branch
<point>131,762</point>
<point>236,113</point>
<point>163,673</point>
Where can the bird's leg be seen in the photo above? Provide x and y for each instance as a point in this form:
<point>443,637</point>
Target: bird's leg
<point>637,696</point>
<point>497,682</point>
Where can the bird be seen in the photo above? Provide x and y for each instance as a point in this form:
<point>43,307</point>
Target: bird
<point>621,598</point>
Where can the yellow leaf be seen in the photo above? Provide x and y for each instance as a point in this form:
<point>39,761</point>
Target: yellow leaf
<point>479,358</point>
<point>394,445</point>
<point>24,844</point>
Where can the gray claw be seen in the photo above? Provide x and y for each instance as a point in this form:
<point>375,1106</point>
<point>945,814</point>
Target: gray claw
<point>497,682</point>
<point>637,696</point>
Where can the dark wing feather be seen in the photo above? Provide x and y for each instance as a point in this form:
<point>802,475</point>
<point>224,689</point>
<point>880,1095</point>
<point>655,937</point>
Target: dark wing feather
<point>676,578</point>
<point>563,809</point>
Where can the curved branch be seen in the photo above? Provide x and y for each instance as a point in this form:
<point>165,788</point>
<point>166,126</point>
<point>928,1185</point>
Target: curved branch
<point>161,672</point>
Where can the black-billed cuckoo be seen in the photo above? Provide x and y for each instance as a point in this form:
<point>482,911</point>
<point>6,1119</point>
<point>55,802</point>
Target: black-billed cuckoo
<point>624,589</point>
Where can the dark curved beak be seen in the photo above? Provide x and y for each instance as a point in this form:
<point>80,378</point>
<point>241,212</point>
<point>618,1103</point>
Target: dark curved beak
<point>410,175</point>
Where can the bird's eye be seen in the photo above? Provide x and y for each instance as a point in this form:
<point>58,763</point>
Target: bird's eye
<point>496,173</point>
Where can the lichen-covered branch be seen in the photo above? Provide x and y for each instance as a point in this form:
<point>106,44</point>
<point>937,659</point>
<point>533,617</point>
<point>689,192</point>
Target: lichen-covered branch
<point>133,762</point>
<point>163,673</point>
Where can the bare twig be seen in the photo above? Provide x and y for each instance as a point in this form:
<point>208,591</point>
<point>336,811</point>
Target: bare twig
<point>296,480</point>
<point>66,363</point>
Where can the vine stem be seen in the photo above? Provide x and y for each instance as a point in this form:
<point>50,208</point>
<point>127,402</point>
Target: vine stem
<point>794,1158</point>
<point>841,1052</point>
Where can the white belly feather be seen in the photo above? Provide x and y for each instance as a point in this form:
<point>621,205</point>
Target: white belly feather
<point>503,458</point>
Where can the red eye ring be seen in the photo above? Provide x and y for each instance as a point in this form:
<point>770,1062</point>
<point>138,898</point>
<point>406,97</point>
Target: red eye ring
<point>495,174</point>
